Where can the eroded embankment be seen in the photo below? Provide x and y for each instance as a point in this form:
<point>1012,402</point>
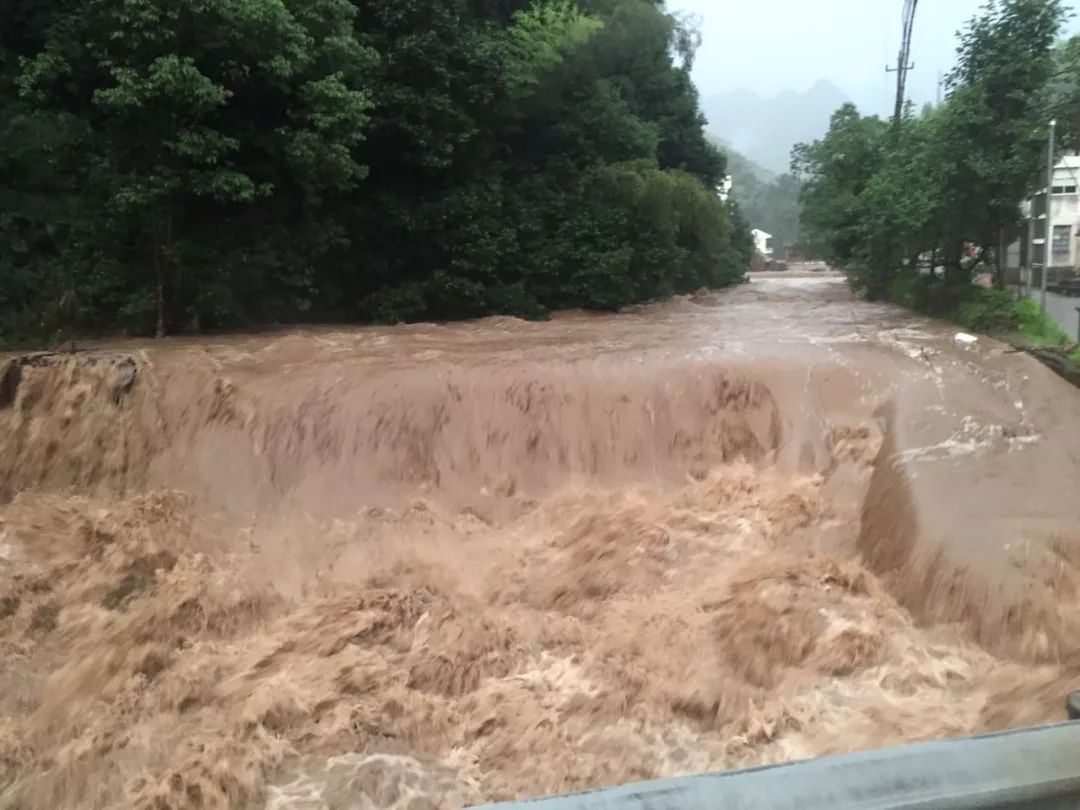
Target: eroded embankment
<point>424,589</point>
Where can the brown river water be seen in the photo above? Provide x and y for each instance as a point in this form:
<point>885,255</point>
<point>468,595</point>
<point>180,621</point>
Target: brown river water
<point>435,565</point>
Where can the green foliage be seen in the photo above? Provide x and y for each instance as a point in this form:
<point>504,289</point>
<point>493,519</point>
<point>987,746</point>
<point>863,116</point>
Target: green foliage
<point>943,188</point>
<point>539,39</point>
<point>836,173</point>
<point>182,166</point>
<point>911,291</point>
<point>1038,327</point>
<point>976,308</point>
<point>989,311</point>
<point>193,131</point>
<point>1064,92</point>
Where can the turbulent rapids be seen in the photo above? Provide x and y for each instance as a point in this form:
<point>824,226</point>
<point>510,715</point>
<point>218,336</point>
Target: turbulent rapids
<point>432,566</point>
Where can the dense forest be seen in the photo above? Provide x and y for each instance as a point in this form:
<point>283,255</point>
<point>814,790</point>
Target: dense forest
<point>179,166</point>
<point>911,208</point>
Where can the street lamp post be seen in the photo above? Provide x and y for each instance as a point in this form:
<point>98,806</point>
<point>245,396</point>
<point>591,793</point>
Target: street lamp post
<point>1048,243</point>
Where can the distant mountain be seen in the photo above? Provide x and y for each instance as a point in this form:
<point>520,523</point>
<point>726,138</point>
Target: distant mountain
<point>765,129</point>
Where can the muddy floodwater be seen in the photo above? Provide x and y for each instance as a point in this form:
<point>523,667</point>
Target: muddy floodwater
<point>434,565</point>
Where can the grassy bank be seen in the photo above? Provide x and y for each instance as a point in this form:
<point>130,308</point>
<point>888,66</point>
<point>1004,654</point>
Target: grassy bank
<point>977,309</point>
<point>992,312</point>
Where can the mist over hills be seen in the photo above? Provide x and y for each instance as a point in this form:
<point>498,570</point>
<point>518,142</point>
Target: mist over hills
<point>765,129</point>
<point>768,200</point>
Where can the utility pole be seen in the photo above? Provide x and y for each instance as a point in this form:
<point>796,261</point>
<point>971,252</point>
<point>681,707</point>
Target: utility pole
<point>1048,245</point>
<point>903,64</point>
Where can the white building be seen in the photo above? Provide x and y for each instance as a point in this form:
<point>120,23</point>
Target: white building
<point>763,243</point>
<point>1025,256</point>
<point>1064,217</point>
<point>1065,211</point>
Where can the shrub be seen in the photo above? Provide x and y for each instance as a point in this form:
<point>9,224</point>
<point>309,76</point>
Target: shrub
<point>1037,326</point>
<point>991,311</point>
<point>975,308</point>
<point>910,291</point>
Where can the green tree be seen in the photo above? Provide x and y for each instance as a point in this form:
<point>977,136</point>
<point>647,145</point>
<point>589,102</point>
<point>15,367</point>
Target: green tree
<point>190,110</point>
<point>946,183</point>
<point>1064,91</point>
<point>836,173</point>
<point>994,124</point>
<point>176,167</point>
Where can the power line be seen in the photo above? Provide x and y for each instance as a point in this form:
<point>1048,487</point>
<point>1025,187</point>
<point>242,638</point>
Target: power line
<point>903,63</point>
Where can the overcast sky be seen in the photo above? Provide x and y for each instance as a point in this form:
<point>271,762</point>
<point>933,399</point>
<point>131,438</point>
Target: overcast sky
<point>772,45</point>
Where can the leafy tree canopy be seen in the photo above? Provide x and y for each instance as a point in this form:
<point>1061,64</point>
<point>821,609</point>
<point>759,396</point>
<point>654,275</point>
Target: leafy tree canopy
<point>180,166</point>
<point>879,199</point>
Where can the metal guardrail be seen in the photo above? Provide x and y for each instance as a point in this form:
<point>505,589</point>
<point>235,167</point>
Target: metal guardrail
<point>1034,768</point>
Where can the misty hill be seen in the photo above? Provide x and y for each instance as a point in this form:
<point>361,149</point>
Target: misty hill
<point>765,129</point>
<point>768,200</point>
<point>741,168</point>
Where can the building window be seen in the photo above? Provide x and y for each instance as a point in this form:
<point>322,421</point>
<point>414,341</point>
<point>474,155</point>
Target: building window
<point>1065,189</point>
<point>1062,234</point>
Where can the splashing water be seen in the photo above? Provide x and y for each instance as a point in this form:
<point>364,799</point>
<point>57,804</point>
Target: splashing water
<point>437,565</point>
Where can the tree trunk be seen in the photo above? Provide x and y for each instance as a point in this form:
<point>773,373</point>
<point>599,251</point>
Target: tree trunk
<point>160,266</point>
<point>160,331</point>
<point>159,281</point>
<point>1002,261</point>
<point>955,272</point>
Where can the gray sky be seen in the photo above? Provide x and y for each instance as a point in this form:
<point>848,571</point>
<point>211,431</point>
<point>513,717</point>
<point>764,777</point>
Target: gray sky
<point>772,45</point>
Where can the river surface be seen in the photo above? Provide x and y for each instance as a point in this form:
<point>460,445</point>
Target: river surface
<point>436,565</point>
